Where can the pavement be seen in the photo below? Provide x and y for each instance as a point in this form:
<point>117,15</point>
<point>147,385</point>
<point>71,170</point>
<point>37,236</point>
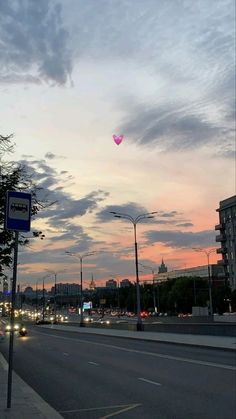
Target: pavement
<point>27,404</point>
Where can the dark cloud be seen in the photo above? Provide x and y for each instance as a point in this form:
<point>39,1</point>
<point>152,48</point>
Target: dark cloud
<point>184,225</point>
<point>181,239</point>
<point>50,156</point>
<point>172,217</point>
<point>167,214</point>
<point>130,208</point>
<point>52,188</point>
<point>34,44</point>
<point>69,208</point>
<point>168,128</point>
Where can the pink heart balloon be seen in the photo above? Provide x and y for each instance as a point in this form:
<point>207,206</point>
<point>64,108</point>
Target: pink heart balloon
<point>118,138</point>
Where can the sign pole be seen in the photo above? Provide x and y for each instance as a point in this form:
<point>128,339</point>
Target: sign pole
<point>13,299</point>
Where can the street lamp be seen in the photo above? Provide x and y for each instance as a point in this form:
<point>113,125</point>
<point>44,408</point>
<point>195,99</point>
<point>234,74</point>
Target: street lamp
<point>153,286</point>
<point>207,253</point>
<point>41,279</point>
<point>55,292</point>
<point>135,221</point>
<point>81,257</point>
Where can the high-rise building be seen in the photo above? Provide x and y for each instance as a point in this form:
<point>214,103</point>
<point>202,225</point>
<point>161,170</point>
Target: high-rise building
<point>125,283</point>
<point>162,268</point>
<point>227,238</point>
<point>66,289</point>
<point>111,283</point>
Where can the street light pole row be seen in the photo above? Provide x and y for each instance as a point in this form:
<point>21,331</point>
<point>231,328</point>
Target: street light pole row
<point>135,221</point>
<point>81,257</point>
<point>207,253</point>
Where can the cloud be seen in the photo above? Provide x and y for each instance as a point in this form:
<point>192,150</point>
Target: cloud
<point>52,187</point>
<point>133,209</point>
<point>174,128</point>
<point>34,43</point>
<point>184,225</point>
<point>181,239</point>
<point>50,156</point>
<point>130,208</point>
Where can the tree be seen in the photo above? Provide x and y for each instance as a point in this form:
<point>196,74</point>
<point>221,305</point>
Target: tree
<point>14,177</point>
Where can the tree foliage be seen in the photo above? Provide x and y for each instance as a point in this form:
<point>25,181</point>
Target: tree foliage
<point>14,177</point>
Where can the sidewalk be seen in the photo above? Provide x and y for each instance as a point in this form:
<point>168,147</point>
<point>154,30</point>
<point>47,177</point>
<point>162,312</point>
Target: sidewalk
<point>27,404</point>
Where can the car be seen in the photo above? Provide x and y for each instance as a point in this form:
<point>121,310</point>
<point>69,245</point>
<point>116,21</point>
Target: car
<point>17,327</point>
<point>88,319</point>
<point>102,321</point>
<point>144,314</point>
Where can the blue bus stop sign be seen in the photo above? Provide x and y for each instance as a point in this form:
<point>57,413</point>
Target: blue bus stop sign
<point>18,211</point>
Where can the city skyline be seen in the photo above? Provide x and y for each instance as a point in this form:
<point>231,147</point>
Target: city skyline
<point>72,76</point>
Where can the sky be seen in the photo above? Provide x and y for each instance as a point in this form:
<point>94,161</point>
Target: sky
<point>73,73</point>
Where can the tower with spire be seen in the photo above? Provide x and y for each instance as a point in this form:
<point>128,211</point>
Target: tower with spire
<point>92,285</point>
<point>162,268</point>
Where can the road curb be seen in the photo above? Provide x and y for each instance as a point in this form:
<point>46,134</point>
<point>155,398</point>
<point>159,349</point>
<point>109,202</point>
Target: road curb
<point>103,332</point>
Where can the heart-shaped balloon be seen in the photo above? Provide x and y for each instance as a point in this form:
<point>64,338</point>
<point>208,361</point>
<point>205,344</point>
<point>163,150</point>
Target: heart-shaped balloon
<point>118,138</point>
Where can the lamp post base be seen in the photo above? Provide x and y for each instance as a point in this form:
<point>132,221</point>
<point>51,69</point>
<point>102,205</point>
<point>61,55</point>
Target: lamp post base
<point>140,327</point>
<point>82,324</point>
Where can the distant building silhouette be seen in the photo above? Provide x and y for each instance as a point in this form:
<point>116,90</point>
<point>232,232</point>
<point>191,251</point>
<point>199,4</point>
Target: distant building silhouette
<point>125,283</point>
<point>111,283</point>
<point>162,268</point>
<point>92,285</point>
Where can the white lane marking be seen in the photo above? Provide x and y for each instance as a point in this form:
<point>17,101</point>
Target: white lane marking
<point>149,381</point>
<point>124,406</point>
<point>92,363</point>
<point>133,406</point>
<point>65,353</point>
<point>170,357</point>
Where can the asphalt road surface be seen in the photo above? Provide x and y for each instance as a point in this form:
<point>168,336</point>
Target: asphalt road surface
<point>91,377</point>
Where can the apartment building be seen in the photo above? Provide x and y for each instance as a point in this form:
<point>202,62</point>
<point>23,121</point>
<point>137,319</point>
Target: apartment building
<point>227,238</point>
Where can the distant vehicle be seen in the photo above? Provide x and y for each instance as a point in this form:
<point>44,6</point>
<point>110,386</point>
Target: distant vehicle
<point>88,319</point>
<point>144,314</point>
<point>19,328</point>
<point>102,321</point>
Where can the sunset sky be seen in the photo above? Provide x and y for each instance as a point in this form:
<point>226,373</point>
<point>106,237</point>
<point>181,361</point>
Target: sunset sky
<point>72,74</point>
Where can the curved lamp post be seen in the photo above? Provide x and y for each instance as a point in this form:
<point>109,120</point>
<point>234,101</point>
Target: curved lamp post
<point>207,253</point>
<point>135,221</point>
<point>81,257</point>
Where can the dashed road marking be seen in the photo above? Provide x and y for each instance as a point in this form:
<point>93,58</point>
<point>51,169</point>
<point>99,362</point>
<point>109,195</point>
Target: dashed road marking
<point>120,348</point>
<point>92,363</point>
<point>149,381</point>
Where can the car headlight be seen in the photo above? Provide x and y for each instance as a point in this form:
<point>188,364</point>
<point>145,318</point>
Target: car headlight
<point>23,329</point>
<point>8,328</point>
<point>16,327</point>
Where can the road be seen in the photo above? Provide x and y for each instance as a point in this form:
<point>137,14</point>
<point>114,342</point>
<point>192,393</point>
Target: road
<point>88,377</point>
